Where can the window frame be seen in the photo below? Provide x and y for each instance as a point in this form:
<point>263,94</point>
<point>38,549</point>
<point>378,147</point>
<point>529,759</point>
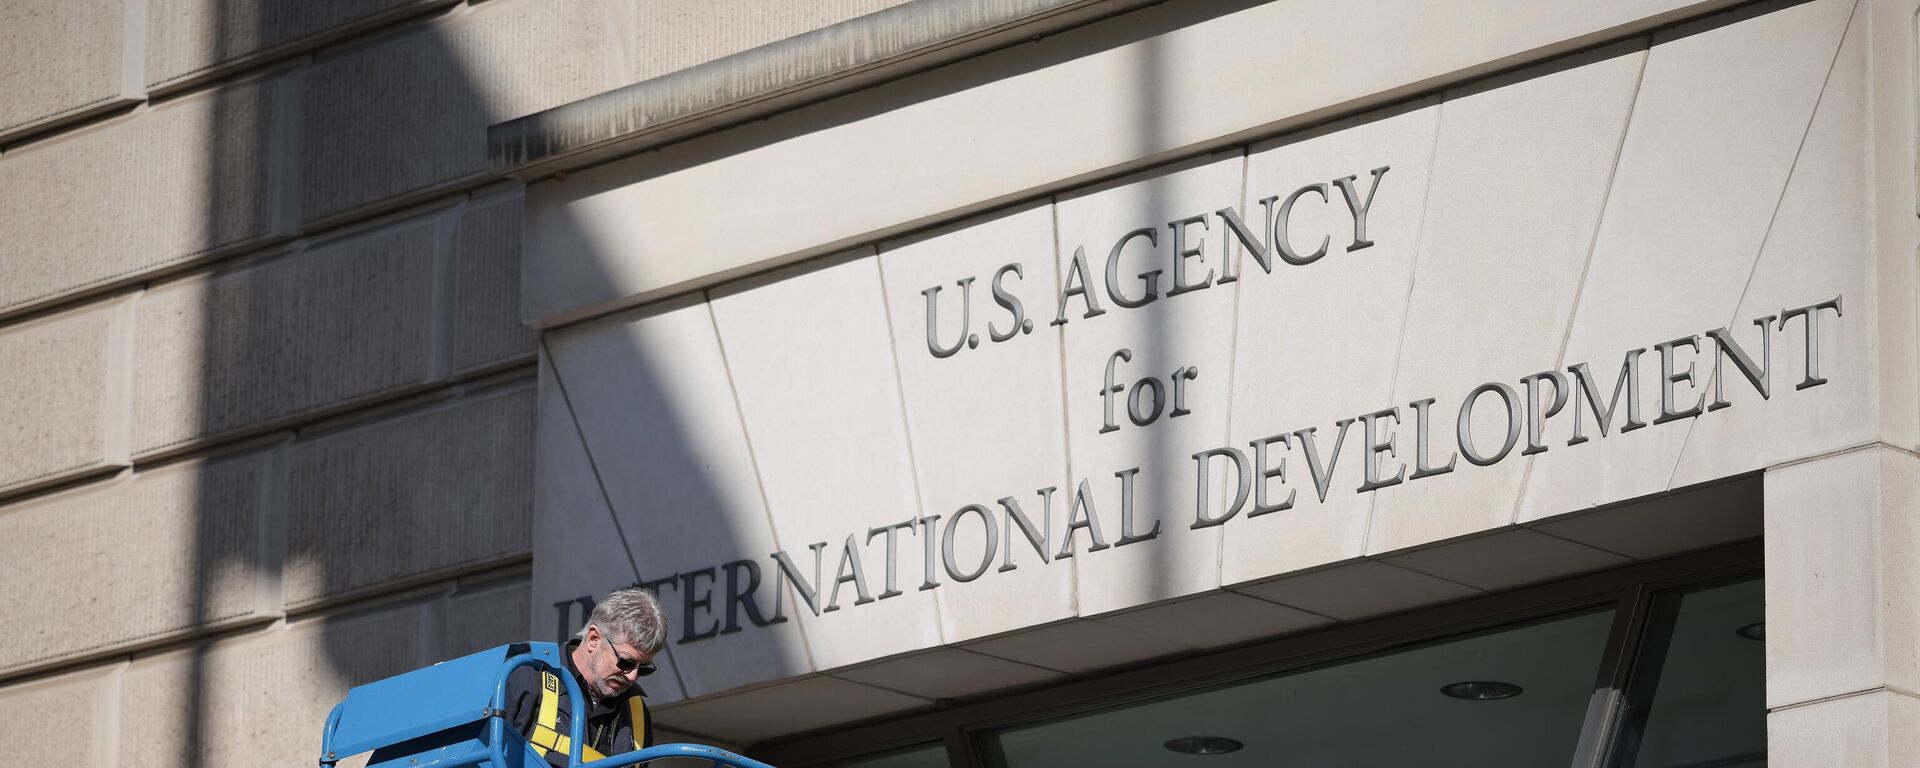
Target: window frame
<point>1635,591</point>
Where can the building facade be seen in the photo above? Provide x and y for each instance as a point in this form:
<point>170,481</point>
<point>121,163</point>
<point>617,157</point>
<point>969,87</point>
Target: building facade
<point>979,383</point>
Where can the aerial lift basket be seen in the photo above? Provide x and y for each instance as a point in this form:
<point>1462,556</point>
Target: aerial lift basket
<point>451,715</point>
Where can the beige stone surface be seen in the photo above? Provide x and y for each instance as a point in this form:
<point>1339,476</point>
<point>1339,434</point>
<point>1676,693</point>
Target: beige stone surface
<point>262,699</point>
<point>1216,620</point>
<point>486,616</point>
<point>152,190</point>
<point>63,390</point>
<point>177,549</point>
<point>987,422</point>
<point>675,34</point>
<point>1841,537</point>
<point>830,176</point>
<point>410,497</point>
<point>187,39</point>
<point>484,327</point>
<point>651,396</point>
<point>1879,729</point>
<point>85,704</point>
<point>442,86</point>
<point>61,58</point>
<point>1521,167</point>
<point>1729,103</point>
<point>305,332</point>
<point>813,369</point>
<point>1317,344</point>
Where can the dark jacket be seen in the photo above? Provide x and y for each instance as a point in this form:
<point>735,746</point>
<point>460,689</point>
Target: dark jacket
<point>607,728</point>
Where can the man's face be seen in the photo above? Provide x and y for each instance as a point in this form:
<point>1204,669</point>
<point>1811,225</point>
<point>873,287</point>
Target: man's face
<point>605,678</point>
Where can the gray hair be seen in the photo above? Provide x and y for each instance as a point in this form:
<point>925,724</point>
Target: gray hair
<point>631,616</point>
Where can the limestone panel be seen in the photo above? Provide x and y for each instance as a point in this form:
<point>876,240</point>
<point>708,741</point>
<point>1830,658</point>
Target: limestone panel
<point>1506,560</point>
<point>986,420</point>
<point>1080,646</point>
<point>167,552</point>
<point>189,38</point>
<point>442,87</point>
<point>1841,536</point>
<point>1877,729</point>
<point>1216,620</point>
<point>485,327</point>
<point>948,673</point>
<point>590,555</point>
<point>1730,104</point>
<point>260,700</point>
<point>1157,554</point>
<point>61,58</point>
<point>1317,343</point>
<point>423,494</point>
<point>814,372</point>
<point>303,333</point>
<point>150,191</point>
<point>85,705</point>
<point>804,705</point>
<point>1816,250</point>
<point>486,618</point>
<point>59,386</point>
<point>678,34</point>
<point>652,398</point>
<point>1520,171</point>
<point>1359,590</point>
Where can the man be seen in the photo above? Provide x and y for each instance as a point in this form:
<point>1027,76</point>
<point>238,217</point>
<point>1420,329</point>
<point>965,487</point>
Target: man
<point>612,652</point>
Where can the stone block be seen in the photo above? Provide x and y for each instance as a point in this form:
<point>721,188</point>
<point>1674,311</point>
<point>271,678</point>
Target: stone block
<point>1842,533</point>
<point>1877,729</point>
<point>154,190</point>
<point>63,386</point>
<point>62,59</point>
<point>1346,311</point>
<point>485,327</point>
<point>986,422</point>
<point>678,34</point>
<point>411,497</point>
<point>1520,171</point>
<point>652,399</point>
<point>262,699</point>
<point>160,555</point>
<point>82,709</point>
<point>1729,102</point>
<point>296,335</point>
<point>190,39</point>
<point>1216,620</point>
<point>440,88</point>
<point>485,618</point>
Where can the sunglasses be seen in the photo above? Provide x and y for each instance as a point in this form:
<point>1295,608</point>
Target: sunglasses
<point>625,664</point>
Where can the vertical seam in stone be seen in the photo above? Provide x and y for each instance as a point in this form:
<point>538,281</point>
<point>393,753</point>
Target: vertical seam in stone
<point>284,169</point>
<point>272,531</point>
<point>107,717</point>
<point>440,303</point>
<point>1793,167</point>
<point>573,418</point>
<point>906,429</point>
<point>1406,301</point>
<point>753,462</point>
<point>1066,424</point>
<point>1593,241</point>
<point>116,417</point>
<point>1228,251</point>
<point>133,49</point>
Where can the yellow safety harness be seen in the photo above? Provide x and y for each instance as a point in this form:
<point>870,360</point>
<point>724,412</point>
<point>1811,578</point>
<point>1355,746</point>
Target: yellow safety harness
<point>546,733</point>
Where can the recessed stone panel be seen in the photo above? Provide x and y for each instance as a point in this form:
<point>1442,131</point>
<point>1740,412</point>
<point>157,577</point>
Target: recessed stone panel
<point>60,386</point>
<point>983,405</point>
<point>188,39</point>
<point>442,87</point>
<point>1147,387</point>
<point>1729,103</point>
<point>653,401</point>
<point>813,368</point>
<point>410,497</point>
<point>261,700</point>
<point>305,332</point>
<point>1520,172</point>
<point>1318,342</point>
<point>85,704</point>
<point>172,551</point>
<point>152,190</point>
<point>61,59</point>
<point>484,328</point>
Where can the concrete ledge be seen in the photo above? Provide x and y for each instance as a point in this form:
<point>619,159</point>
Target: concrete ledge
<point>760,81</point>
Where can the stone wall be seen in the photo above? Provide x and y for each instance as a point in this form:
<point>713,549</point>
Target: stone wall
<point>266,407</point>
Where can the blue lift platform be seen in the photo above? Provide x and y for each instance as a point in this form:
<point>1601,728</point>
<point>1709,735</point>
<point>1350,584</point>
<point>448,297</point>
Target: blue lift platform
<point>452,715</point>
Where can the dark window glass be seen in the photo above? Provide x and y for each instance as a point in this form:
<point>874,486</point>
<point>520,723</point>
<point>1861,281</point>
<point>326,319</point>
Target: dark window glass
<point>1704,701</point>
<point>1383,711</point>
